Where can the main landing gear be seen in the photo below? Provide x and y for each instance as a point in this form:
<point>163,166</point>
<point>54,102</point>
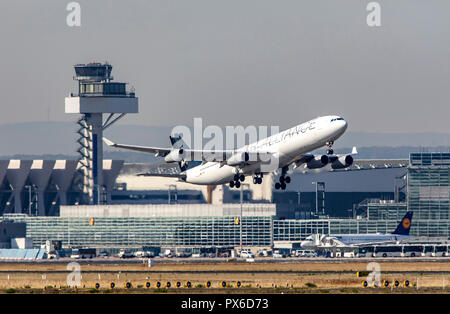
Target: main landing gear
<point>257,179</point>
<point>238,178</point>
<point>283,179</point>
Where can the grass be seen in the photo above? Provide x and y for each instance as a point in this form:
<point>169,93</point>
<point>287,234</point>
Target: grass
<point>160,290</point>
<point>310,285</point>
<point>10,290</point>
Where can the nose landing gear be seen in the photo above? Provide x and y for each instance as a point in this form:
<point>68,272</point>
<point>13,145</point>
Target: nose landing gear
<point>330,149</point>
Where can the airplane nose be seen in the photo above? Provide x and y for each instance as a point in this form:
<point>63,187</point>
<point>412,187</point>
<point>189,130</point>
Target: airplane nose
<point>343,125</point>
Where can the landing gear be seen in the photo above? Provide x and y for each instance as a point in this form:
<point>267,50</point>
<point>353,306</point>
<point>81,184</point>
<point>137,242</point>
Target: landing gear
<point>283,179</point>
<point>257,179</point>
<point>330,149</point>
<point>238,178</point>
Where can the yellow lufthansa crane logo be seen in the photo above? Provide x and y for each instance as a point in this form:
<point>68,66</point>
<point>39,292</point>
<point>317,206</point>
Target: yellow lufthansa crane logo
<point>237,221</point>
<point>91,221</point>
<point>406,223</point>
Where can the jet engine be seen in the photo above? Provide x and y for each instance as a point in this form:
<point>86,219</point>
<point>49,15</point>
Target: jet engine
<point>176,155</point>
<point>238,158</point>
<point>342,162</point>
<point>317,162</point>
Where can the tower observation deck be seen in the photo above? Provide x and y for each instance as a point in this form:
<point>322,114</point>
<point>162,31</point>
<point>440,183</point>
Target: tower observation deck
<point>97,95</point>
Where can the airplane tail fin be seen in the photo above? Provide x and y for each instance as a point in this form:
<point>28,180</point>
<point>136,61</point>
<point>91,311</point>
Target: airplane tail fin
<point>176,140</point>
<point>404,225</point>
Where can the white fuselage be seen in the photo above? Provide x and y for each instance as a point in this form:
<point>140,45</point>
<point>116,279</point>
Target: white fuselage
<point>288,146</point>
<point>345,240</point>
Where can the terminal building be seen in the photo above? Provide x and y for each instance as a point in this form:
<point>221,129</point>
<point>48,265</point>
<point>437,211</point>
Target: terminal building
<point>261,224</point>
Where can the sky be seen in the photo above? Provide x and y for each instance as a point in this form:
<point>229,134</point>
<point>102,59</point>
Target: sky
<point>252,62</point>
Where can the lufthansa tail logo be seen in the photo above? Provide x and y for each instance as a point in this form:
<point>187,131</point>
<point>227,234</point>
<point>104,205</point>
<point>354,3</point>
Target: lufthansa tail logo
<point>406,223</point>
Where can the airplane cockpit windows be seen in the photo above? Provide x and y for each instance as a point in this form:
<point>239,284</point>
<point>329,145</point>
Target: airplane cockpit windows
<point>336,119</point>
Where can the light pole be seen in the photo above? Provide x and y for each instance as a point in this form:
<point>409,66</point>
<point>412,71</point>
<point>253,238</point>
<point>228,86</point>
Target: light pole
<point>29,199</point>
<point>317,203</point>
<point>322,185</point>
<point>240,215</point>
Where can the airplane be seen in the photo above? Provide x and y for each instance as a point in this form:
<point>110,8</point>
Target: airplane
<point>291,147</point>
<point>401,233</point>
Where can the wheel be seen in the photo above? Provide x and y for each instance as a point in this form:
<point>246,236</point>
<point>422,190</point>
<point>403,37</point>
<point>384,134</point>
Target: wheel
<point>231,184</point>
<point>277,186</point>
<point>259,180</point>
<point>282,179</point>
<point>288,179</point>
<point>236,177</point>
<point>384,255</point>
<point>255,180</point>
<point>237,184</point>
<point>413,254</point>
<point>242,178</point>
<point>283,186</point>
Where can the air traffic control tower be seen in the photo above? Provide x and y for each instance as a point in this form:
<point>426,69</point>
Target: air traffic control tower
<point>97,95</point>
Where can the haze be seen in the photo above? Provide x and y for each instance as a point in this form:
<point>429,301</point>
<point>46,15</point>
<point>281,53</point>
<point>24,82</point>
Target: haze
<point>236,62</point>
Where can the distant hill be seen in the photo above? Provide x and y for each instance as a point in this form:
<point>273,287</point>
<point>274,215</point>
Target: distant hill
<point>57,140</point>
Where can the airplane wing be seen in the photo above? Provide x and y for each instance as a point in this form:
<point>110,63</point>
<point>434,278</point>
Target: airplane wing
<point>232,157</point>
<point>154,150</point>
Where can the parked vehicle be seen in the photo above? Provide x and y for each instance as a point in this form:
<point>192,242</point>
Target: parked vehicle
<point>412,250</point>
<point>246,254</point>
<point>83,253</point>
<point>440,250</point>
<point>278,254</point>
<point>52,255</point>
<point>367,251</point>
<point>264,253</point>
<point>307,253</point>
<point>125,254</point>
<point>142,254</point>
<point>388,251</point>
<point>103,254</point>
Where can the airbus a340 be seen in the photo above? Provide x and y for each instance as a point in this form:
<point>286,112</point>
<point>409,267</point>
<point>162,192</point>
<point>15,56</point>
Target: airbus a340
<point>291,147</point>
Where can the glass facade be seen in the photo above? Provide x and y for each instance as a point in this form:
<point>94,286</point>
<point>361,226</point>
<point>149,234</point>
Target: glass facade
<point>115,232</point>
<point>297,230</point>
<point>384,210</point>
<point>429,185</point>
<point>149,231</point>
